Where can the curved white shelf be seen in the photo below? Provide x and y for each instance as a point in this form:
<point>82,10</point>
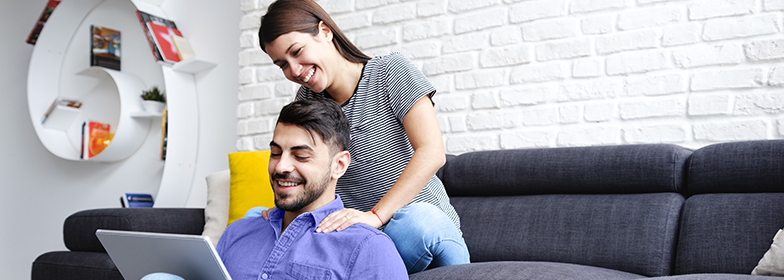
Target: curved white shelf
<point>129,133</point>
<point>43,87</point>
<point>146,115</point>
<point>46,67</point>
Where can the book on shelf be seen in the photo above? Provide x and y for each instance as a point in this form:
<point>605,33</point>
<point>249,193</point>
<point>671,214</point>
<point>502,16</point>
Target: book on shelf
<point>61,113</point>
<point>134,200</point>
<point>159,31</point>
<point>105,47</point>
<point>164,134</point>
<point>163,41</point>
<point>39,25</point>
<point>96,137</point>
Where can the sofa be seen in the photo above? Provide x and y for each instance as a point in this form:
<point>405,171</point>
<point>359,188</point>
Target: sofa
<point>602,212</point>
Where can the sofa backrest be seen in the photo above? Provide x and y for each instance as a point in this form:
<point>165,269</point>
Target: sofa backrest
<point>609,206</point>
<point>735,206</point>
<point>578,170</point>
<point>79,228</point>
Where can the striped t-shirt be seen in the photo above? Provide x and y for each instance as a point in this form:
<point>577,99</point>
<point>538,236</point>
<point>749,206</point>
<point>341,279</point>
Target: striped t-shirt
<point>379,147</point>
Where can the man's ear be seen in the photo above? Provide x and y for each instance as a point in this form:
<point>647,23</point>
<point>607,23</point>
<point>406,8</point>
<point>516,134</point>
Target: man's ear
<point>325,31</point>
<point>340,163</point>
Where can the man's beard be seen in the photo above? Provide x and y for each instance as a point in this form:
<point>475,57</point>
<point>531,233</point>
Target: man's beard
<point>310,192</point>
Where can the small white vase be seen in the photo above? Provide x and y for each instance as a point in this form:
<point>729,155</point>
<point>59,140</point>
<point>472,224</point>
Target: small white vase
<point>153,106</point>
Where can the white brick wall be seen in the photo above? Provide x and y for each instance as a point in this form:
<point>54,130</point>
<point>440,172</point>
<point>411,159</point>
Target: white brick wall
<point>546,73</point>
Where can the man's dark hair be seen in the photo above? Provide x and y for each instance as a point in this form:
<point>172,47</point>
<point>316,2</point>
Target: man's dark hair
<point>322,116</point>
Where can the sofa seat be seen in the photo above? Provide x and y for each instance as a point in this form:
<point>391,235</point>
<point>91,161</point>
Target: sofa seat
<point>510,270</point>
<point>715,276</point>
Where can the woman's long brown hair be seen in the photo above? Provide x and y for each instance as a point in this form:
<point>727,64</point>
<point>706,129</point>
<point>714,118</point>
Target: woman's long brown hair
<point>284,16</point>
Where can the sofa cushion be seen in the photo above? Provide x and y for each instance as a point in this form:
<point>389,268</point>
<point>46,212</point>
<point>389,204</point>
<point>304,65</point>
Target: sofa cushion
<point>216,212</point>
<point>745,167</point>
<point>628,232</point>
<point>250,183</point>
<point>521,270</point>
<point>79,228</point>
<point>65,265</point>
<point>577,170</point>
<point>727,233</point>
<point>772,263</point>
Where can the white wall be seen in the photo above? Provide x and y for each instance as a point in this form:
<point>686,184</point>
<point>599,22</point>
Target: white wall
<point>40,190</point>
<point>548,73</point>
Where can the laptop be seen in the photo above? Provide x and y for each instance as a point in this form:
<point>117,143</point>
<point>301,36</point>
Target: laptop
<point>137,254</point>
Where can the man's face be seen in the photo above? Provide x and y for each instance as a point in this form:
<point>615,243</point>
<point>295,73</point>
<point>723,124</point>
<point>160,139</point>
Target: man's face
<point>300,169</point>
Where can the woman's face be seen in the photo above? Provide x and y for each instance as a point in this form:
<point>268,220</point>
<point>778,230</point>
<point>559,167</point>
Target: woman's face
<point>304,58</point>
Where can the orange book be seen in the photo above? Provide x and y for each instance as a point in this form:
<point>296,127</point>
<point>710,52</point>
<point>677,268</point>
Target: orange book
<point>95,138</point>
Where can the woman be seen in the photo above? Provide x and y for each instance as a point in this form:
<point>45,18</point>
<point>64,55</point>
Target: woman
<point>396,145</point>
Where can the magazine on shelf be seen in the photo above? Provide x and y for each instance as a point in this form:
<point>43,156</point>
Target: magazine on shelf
<point>164,42</point>
<point>39,25</point>
<point>61,113</point>
<point>166,26</point>
<point>134,200</point>
<point>105,47</point>
<point>96,137</point>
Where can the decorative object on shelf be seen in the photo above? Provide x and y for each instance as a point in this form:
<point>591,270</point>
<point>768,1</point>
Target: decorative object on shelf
<point>164,134</point>
<point>105,47</point>
<point>61,114</point>
<point>153,100</point>
<point>184,49</point>
<point>134,200</point>
<point>41,21</point>
<point>160,29</point>
<point>96,137</point>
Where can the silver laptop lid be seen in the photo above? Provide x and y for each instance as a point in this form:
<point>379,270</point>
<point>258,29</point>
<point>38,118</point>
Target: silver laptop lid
<point>137,254</point>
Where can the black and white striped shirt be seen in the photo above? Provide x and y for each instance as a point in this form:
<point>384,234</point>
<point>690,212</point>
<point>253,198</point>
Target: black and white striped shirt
<point>380,149</point>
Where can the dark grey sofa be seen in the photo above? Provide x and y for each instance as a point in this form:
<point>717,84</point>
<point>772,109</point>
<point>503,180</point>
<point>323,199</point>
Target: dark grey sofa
<point>605,212</point>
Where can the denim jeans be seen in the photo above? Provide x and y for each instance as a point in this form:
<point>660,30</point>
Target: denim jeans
<point>425,237</point>
<point>161,276</point>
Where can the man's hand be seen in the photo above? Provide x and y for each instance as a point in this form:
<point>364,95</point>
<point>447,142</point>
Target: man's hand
<point>340,220</point>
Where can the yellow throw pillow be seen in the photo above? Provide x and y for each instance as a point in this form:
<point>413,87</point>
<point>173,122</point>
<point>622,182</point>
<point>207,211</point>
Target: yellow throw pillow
<point>250,183</point>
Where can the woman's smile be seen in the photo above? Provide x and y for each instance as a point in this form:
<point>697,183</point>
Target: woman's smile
<point>309,75</point>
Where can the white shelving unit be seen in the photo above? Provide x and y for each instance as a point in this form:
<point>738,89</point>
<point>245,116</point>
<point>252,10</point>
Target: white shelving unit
<point>46,71</point>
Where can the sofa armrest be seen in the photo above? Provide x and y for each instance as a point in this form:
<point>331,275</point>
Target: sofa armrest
<point>79,228</point>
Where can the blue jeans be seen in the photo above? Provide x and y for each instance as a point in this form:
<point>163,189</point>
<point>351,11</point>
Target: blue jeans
<point>423,235</point>
<point>161,276</point>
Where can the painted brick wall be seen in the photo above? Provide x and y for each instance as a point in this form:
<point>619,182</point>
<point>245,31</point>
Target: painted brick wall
<point>550,73</point>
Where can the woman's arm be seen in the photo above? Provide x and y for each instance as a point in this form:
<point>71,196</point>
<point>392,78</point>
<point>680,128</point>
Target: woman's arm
<point>424,134</point>
<point>422,129</point>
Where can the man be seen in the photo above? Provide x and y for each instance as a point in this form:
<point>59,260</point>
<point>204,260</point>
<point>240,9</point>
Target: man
<point>308,155</point>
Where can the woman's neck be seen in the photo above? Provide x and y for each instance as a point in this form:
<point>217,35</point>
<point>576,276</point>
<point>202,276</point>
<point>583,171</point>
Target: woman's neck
<point>346,81</point>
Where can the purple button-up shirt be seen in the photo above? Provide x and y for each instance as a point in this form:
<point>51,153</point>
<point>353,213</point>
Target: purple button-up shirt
<point>250,249</point>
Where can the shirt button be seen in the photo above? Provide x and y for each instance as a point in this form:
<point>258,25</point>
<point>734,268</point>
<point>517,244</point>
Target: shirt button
<point>264,276</point>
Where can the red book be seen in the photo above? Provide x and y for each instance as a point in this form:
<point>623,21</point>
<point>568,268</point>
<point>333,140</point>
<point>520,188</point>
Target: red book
<point>164,42</point>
